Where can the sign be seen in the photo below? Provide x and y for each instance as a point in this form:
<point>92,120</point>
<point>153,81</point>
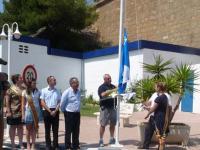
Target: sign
<point>29,73</point>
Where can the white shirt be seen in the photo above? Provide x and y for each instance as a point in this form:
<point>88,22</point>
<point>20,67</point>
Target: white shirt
<point>155,95</point>
<point>50,96</point>
<point>70,101</point>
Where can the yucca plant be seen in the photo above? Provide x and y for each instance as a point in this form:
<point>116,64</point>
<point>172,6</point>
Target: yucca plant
<point>158,68</point>
<point>144,89</point>
<point>183,75</point>
<point>177,80</point>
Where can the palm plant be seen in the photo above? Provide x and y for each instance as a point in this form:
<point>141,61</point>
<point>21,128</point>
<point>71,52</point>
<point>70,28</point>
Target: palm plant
<point>183,75</point>
<point>143,89</point>
<point>177,81</point>
<point>158,68</point>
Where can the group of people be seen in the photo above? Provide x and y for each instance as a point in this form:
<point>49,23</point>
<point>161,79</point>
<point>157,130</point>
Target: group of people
<point>28,105</point>
<point>158,106</point>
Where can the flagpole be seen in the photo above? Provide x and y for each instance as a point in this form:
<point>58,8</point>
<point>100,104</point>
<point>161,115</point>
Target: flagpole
<point>119,57</point>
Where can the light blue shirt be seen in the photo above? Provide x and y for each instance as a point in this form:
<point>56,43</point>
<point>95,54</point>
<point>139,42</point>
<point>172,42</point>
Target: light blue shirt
<point>70,101</point>
<point>50,96</point>
<point>36,97</point>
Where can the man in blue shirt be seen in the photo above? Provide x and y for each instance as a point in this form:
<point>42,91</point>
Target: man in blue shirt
<point>50,100</point>
<point>70,105</point>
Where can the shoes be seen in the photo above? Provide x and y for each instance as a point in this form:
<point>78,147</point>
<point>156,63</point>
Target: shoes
<point>75,148</point>
<point>101,143</point>
<point>112,141</point>
<point>142,147</point>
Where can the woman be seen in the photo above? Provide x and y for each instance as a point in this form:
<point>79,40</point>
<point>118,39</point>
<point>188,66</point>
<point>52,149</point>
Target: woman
<point>13,109</point>
<point>31,111</point>
<point>161,114</point>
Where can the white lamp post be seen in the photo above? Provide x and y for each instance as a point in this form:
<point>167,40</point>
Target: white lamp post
<point>9,36</point>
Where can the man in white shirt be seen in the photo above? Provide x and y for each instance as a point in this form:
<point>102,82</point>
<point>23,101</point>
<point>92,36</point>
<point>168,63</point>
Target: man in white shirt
<point>50,100</point>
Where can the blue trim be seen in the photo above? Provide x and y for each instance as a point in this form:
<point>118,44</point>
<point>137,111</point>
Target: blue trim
<point>64,53</point>
<point>32,40</point>
<point>100,52</point>
<point>37,41</point>
<point>111,50</point>
<point>169,47</point>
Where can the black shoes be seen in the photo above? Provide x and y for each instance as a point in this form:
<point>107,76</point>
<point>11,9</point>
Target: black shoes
<point>142,147</point>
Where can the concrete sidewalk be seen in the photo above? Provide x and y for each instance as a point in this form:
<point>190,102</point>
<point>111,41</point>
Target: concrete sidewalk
<point>128,136</point>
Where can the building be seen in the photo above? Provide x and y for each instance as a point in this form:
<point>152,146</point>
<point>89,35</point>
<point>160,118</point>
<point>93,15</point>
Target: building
<point>166,21</point>
<point>89,67</point>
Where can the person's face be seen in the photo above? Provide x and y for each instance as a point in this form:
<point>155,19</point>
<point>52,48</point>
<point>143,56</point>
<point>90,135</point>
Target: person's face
<point>107,79</point>
<point>74,84</point>
<point>52,81</point>
<point>33,84</point>
<point>20,80</point>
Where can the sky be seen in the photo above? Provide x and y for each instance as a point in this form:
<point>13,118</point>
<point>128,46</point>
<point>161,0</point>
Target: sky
<point>1,5</point>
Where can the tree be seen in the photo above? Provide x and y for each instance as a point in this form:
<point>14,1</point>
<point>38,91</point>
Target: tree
<point>60,21</point>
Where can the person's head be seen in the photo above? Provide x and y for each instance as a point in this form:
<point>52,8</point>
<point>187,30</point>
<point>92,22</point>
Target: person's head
<point>33,84</point>
<point>107,79</point>
<point>16,79</point>
<point>51,81</point>
<point>160,87</point>
<point>74,83</point>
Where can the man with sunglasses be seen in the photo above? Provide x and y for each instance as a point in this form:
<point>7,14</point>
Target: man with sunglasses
<point>107,111</point>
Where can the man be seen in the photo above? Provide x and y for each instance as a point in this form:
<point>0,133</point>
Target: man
<point>70,105</point>
<point>50,100</point>
<point>107,112</point>
<point>149,130</point>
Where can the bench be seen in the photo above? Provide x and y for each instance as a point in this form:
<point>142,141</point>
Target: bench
<point>126,111</point>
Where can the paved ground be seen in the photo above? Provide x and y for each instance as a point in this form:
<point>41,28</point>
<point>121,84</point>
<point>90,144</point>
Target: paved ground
<point>128,136</point>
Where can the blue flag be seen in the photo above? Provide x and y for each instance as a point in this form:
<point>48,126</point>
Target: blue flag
<point>124,72</point>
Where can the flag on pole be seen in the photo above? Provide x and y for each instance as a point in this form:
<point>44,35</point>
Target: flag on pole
<point>124,72</point>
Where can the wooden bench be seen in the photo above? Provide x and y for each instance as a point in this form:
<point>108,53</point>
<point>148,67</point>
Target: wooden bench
<point>126,111</point>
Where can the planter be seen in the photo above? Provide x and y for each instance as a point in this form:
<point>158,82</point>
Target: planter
<point>179,133</point>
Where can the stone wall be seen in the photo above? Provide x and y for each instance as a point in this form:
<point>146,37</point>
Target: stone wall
<point>167,21</point>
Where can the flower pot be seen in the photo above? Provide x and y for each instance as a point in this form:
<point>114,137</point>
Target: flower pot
<point>179,133</point>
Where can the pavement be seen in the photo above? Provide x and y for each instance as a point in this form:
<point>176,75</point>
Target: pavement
<point>129,136</point>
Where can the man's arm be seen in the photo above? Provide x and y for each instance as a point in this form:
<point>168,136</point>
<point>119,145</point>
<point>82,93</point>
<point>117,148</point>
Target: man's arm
<point>63,101</point>
<point>151,109</point>
<point>43,104</point>
<point>108,92</point>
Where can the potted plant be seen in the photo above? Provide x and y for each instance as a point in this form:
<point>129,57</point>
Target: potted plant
<point>177,81</point>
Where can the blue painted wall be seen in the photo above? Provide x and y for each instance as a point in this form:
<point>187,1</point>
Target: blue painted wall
<point>187,100</point>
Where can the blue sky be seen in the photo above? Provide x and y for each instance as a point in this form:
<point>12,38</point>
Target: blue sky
<point>1,5</point>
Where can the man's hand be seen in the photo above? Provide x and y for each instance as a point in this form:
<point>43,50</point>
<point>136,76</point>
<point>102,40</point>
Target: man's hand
<point>109,92</point>
<point>147,116</point>
<point>53,113</point>
<point>146,108</point>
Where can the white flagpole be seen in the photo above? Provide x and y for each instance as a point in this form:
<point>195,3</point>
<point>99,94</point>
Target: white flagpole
<point>119,55</point>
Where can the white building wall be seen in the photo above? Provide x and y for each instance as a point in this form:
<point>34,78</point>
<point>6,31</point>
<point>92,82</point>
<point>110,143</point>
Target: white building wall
<point>89,71</point>
<point>61,67</point>
<point>95,68</point>
<point>177,58</point>
<point>196,95</point>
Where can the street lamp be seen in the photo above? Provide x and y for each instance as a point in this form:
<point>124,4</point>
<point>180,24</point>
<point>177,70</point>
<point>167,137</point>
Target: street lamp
<point>9,36</point>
